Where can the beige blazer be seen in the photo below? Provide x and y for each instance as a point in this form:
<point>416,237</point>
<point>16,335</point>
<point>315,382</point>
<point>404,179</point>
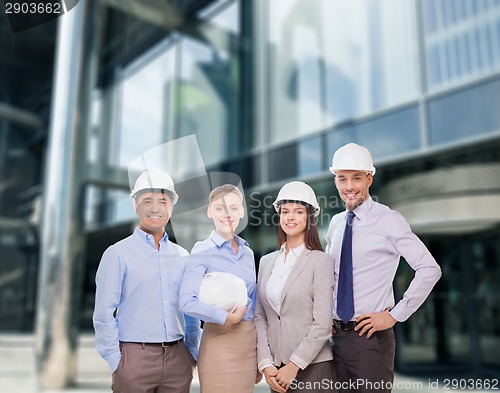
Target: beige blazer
<point>301,331</point>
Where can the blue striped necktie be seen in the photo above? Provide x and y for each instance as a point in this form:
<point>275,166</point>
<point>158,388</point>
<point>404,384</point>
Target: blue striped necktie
<point>345,297</point>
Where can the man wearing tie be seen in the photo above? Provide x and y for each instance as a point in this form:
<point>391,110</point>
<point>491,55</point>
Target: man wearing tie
<point>366,242</point>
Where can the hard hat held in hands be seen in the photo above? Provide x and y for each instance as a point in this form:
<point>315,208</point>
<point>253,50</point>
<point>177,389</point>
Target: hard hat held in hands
<point>352,157</point>
<point>155,181</point>
<point>223,290</point>
<point>297,191</point>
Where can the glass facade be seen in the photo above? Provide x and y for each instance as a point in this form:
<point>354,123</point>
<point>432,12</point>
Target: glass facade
<point>326,66</point>
<point>462,40</point>
<point>464,301</point>
<point>208,85</point>
<point>387,135</point>
<point>146,104</point>
<point>465,114</point>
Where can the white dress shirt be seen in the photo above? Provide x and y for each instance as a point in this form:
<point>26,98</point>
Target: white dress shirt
<point>380,236</point>
<point>282,268</point>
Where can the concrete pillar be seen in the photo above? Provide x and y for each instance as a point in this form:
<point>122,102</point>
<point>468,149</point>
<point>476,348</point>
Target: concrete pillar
<point>62,232</point>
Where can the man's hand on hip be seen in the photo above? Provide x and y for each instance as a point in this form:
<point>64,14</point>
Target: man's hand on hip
<point>374,322</point>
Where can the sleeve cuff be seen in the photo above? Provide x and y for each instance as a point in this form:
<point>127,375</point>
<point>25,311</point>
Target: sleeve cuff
<point>113,361</point>
<point>298,365</point>
<point>220,316</point>
<point>400,313</point>
<point>264,363</point>
<point>302,364</point>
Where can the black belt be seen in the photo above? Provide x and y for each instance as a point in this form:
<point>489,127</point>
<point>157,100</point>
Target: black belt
<point>164,344</point>
<point>344,326</point>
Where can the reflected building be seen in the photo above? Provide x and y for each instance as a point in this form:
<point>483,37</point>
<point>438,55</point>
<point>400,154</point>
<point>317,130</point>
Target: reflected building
<point>271,89</point>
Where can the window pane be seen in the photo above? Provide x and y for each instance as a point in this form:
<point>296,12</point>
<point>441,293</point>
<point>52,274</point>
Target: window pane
<point>283,163</point>
<point>209,86</point>
<point>384,136</point>
<point>465,114</point>
<point>311,157</point>
<point>467,40</point>
<point>331,60</point>
<point>144,116</point>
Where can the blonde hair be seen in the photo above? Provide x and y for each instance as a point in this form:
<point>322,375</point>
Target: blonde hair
<point>224,189</point>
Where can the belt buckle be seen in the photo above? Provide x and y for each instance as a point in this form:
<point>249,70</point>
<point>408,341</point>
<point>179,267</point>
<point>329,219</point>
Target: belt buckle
<point>344,326</point>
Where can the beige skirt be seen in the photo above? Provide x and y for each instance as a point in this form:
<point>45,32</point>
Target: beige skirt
<point>227,361</point>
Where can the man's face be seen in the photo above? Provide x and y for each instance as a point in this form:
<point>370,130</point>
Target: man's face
<point>154,210</point>
<point>226,211</point>
<point>353,187</point>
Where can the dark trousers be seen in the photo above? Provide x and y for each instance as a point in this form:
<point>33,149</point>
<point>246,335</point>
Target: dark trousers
<point>315,378</point>
<point>147,368</point>
<point>364,365</point>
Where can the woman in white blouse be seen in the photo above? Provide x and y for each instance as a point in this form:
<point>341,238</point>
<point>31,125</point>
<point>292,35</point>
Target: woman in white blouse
<point>293,312</point>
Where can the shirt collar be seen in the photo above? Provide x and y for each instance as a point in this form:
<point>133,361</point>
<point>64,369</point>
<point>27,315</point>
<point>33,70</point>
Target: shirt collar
<point>147,236</point>
<point>219,240</point>
<point>364,208</point>
<point>296,251</point>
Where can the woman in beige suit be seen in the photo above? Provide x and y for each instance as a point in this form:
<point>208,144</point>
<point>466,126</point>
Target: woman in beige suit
<point>293,311</point>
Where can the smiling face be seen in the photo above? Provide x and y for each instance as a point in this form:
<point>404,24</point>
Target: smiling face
<point>154,210</point>
<point>226,210</point>
<point>293,219</point>
<point>353,187</point>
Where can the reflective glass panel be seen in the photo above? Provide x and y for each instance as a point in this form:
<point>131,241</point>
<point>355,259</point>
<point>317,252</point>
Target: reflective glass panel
<point>145,111</point>
<point>384,136</point>
<point>209,85</point>
<point>283,163</point>
<point>465,114</point>
<point>462,40</point>
<point>331,60</point>
<point>311,156</point>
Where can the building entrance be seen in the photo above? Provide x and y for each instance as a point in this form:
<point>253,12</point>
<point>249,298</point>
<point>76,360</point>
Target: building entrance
<point>459,324</point>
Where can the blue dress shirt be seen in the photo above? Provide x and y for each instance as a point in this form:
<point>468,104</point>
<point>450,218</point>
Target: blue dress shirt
<point>142,283</point>
<point>216,255</point>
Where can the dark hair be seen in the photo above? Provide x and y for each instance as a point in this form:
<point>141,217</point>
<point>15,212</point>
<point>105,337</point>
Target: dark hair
<point>311,237</point>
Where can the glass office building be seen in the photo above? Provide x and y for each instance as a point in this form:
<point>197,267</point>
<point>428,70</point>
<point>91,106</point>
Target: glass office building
<point>271,89</point>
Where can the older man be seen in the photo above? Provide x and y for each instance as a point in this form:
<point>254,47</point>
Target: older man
<point>148,343</point>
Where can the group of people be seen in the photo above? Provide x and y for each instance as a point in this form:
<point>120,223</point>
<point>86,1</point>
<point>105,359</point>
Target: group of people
<point>314,320</point>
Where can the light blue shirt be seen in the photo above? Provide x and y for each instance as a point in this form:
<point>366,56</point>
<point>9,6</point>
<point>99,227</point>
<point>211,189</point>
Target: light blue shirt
<point>216,255</point>
<point>142,283</point>
<point>380,236</point>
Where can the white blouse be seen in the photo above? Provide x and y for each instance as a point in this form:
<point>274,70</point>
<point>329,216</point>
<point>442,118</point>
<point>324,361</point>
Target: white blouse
<point>282,268</point>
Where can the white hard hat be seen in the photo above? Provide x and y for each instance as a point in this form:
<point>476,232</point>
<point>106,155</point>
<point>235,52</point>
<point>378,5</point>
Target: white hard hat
<point>352,157</point>
<point>297,191</point>
<point>223,290</point>
<point>153,181</point>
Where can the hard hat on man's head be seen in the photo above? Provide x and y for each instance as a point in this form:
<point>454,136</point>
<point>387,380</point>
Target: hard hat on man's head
<point>154,181</point>
<point>352,157</point>
<point>297,191</point>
